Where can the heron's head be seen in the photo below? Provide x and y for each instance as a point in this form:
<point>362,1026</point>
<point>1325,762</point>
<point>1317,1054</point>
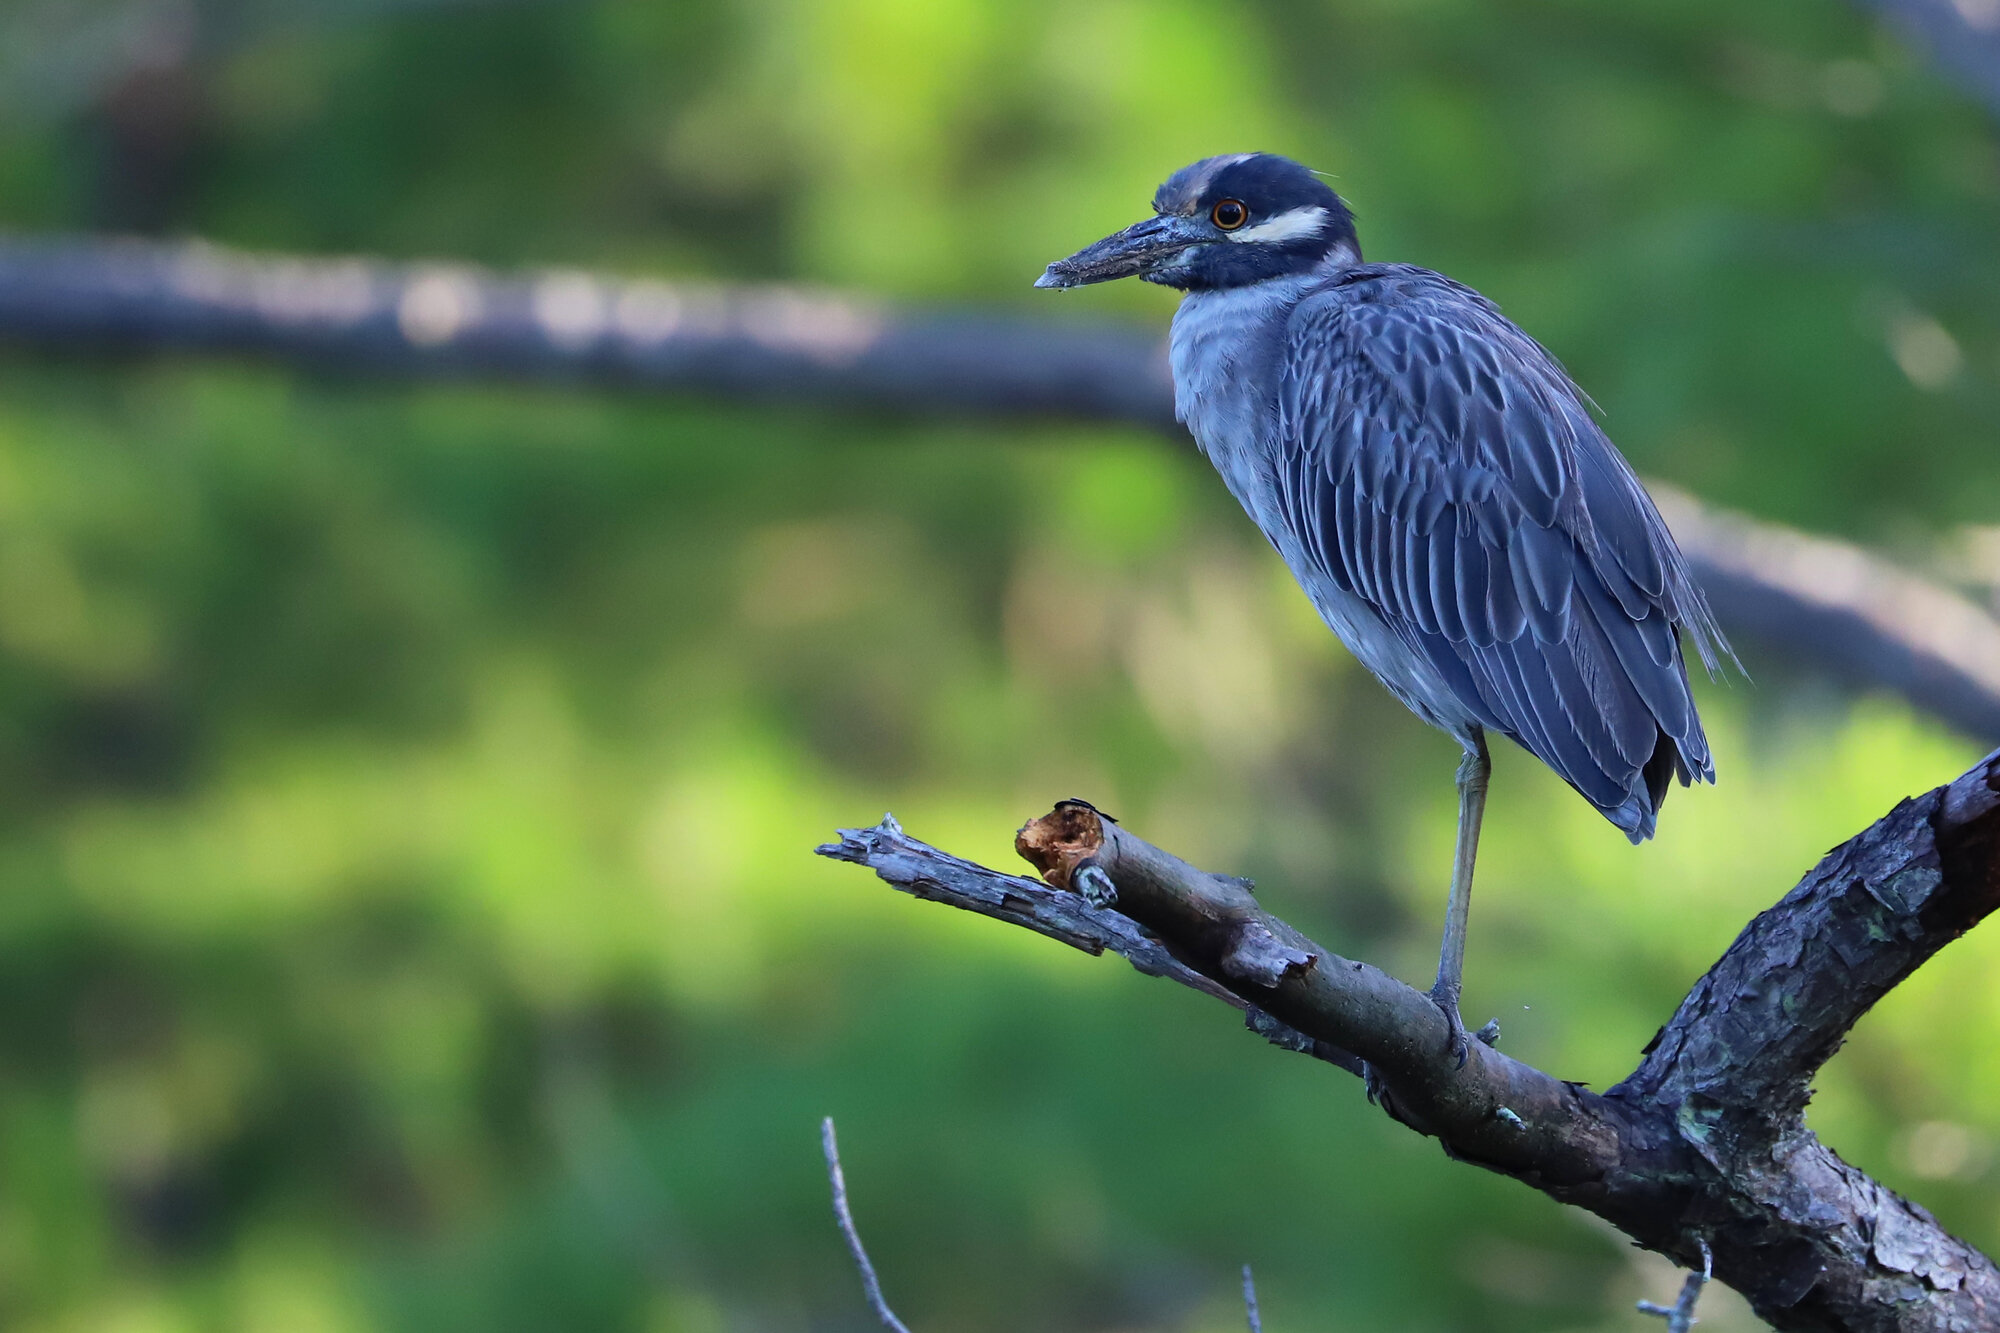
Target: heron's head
<point>1223,222</point>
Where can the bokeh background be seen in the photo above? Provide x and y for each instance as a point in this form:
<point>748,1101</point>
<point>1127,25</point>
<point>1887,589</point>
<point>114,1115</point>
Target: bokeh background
<point>408,918</point>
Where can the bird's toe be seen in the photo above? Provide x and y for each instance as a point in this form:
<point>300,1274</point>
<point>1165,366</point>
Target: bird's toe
<point>1458,1043</point>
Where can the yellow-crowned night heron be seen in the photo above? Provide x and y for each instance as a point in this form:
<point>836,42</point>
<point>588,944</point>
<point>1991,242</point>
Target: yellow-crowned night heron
<point>1437,485</point>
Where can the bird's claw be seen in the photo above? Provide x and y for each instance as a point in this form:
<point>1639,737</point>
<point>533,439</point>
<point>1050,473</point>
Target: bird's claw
<point>1458,1042</point>
<point>1489,1034</point>
<point>1096,887</point>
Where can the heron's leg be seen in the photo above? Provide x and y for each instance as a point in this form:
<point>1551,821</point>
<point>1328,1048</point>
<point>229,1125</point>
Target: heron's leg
<point>1473,771</point>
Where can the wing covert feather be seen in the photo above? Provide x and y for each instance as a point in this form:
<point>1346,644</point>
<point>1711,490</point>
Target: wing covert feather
<point>1439,466</point>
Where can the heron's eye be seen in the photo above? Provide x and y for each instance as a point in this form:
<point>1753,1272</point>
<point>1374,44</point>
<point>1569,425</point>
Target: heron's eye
<point>1229,214</point>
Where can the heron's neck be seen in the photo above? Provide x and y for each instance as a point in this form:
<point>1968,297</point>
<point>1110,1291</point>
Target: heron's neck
<point>1235,311</point>
<point>1226,351</point>
<point>1227,340</point>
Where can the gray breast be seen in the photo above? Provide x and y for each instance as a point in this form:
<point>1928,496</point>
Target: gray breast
<point>1227,352</point>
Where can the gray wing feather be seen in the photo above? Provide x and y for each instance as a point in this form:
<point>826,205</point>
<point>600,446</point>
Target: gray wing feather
<point>1440,466</point>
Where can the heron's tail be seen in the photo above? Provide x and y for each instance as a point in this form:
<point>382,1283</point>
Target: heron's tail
<point>1639,815</point>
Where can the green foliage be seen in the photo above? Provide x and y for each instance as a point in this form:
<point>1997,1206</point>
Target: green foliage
<point>408,921</point>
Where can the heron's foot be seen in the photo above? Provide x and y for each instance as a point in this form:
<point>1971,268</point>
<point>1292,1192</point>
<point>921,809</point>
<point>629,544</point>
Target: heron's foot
<point>1458,1041</point>
<point>1096,887</point>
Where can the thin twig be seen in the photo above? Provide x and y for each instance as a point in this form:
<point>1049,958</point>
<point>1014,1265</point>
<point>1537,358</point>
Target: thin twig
<point>1680,1315</point>
<point>1250,1300</point>
<point>869,1283</point>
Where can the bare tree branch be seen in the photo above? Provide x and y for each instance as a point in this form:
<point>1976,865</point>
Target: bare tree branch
<point>1864,621</point>
<point>838,1180</point>
<point>1250,1301</point>
<point>1705,1144</point>
<point>922,871</point>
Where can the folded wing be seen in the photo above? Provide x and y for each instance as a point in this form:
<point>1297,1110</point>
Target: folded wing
<point>1441,467</point>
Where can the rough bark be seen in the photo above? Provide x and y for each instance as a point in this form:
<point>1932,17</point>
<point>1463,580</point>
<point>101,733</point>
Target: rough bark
<point>1704,1144</point>
<point>1872,625</point>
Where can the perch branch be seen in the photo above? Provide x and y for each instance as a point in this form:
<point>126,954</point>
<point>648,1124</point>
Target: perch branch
<point>1872,624</point>
<point>838,1181</point>
<point>923,871</point>
<point>1704,1145</point>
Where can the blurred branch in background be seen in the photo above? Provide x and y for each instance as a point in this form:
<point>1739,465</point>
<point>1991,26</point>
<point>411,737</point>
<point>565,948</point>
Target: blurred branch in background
<point>1820,602</point>
<point>768,344</point>
<point>1963,36</point>
<point>1702,1151</point>
<point>1845,611</point>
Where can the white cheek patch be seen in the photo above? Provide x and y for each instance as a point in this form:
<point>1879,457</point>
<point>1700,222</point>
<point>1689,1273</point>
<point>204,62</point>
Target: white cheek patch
<point>1292,225</point>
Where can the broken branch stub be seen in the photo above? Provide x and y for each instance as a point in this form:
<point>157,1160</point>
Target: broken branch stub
<point>1220,916</point>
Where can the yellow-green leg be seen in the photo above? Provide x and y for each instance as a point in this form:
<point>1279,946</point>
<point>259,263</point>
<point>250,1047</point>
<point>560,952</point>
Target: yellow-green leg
<point>1473,772</point>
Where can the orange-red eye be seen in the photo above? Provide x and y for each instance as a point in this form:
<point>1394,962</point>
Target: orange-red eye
<point>1229,214</point>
